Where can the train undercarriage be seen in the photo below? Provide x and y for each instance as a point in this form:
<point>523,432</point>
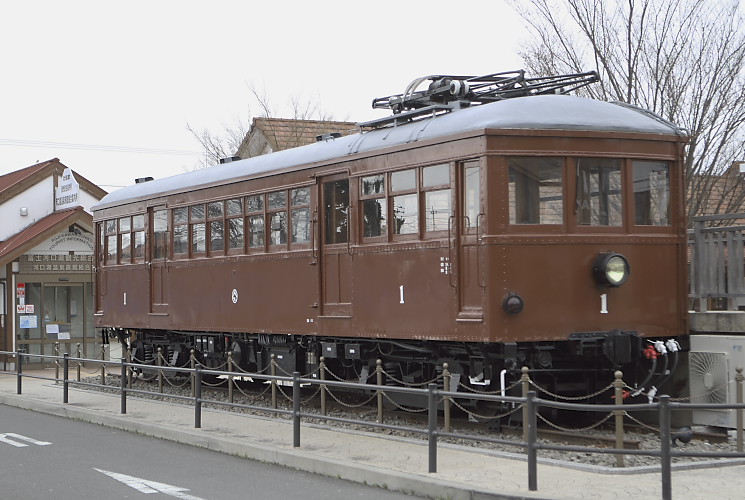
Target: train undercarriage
<point>580,366</point>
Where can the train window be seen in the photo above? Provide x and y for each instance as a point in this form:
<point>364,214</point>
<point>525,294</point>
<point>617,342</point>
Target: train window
<point>374,206</point>
<point>110,226</point>
<point>472,193</point>
<point>403,181</point>
<point>198,238</point>
<point>216,210</point>
<point>197,229</point>
<point>255,203</point>
<point>235,233</point>
<point>196,213</point>
<point>278,219</point>
<point>651,193</point>
<point>406,214</point>
<point>256,231</point>
<point>375,184</point>
<point>437,175</point>
<point>125,240</point>
<point>217,230</point>
<point>234,207</point>
<point>160,234</point>
<point>536,192</point>
<point>180,231</point>
<point>278,228</point>
<point>111,249</point>
<point>599,197</point>
<point>437,210</point>
<point>300,218</point>
<point>138,238</point>
<point>336,211</point>
<point>437,202</point>
<point>277,200</point>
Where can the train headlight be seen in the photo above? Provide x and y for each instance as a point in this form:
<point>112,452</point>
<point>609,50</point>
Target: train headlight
<point>611,269</point>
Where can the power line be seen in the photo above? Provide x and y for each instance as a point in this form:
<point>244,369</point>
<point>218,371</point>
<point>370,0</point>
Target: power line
<point>96,147</point>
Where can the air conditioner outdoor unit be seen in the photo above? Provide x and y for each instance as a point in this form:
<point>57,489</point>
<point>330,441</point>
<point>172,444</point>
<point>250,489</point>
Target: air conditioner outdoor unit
<point>712,363</point>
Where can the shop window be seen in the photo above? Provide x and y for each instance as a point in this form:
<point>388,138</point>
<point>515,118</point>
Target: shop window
<point>536,191</point>
<point>599,196</point>
<point>651,193</point>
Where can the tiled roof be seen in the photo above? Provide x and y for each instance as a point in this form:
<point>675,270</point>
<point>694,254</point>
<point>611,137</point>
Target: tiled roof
<point>276,134</point>
<point>40,231</point>
<point>285,133</point>
<point>14,183</point>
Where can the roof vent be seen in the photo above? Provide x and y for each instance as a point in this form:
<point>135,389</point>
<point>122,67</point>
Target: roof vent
<point>140,180</point>
<point>230,158</point>
<point>327,137</point>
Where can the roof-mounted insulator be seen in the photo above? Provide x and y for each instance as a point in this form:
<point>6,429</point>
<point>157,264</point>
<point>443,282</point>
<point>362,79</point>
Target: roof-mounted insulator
<point>327,137</point>
<point>230,158</point>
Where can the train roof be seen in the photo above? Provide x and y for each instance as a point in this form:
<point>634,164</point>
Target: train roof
<point>544,112</point>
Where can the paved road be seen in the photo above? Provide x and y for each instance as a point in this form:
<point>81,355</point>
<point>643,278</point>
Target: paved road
<point>45,457</point>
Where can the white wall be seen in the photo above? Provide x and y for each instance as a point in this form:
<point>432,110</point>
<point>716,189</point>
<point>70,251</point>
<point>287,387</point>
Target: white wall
<point>38,199</point>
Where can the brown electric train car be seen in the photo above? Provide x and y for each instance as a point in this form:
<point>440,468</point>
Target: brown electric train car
<point>491,223</point>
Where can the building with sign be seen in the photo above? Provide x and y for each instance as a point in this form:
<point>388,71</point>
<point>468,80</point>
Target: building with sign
<point>46,259</point>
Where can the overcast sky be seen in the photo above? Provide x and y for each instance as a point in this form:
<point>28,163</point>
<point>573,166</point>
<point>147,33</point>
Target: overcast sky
<point>109,87</point>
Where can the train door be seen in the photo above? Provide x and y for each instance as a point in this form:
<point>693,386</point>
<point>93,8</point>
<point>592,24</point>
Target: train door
<point>335,259</point>
<point>469,224</point>
<point>158,254</point>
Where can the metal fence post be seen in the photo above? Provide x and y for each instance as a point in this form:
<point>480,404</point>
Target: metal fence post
<point>532,407</point>
<point>432,427</point>
<point>665,443</point>
<point>525,382</point>
<point>618,393</point>
<point>56,363</point>
<point>123,387</point>
<point>66,379</point>
<point>19,370</point>
<point>379,381</point>
<point>739,379</point>
<point>192,375</point>
<point>230,377</point>
<point>129,368</point>
<point>446,402</point>
<point>159,362</point>
<point>273,372</point>
<point>295,409</point>
<point>79,355</point>
<point>103,366</point>
<point>322,374</point>
<point>197,397</point>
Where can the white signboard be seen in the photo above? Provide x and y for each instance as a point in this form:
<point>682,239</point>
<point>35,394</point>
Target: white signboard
<point>28,322</point>
<point>66,194</point>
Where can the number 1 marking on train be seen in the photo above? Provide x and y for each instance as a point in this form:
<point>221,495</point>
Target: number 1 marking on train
<point>401,294</point>
<point>604,303</point>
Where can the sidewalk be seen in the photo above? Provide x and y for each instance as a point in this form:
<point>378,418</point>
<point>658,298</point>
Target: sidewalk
<point>392,463</point>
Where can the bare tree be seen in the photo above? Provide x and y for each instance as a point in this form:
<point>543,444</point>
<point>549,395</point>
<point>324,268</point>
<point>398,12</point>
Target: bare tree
<point>682,59</point>
<point>228,142</point>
